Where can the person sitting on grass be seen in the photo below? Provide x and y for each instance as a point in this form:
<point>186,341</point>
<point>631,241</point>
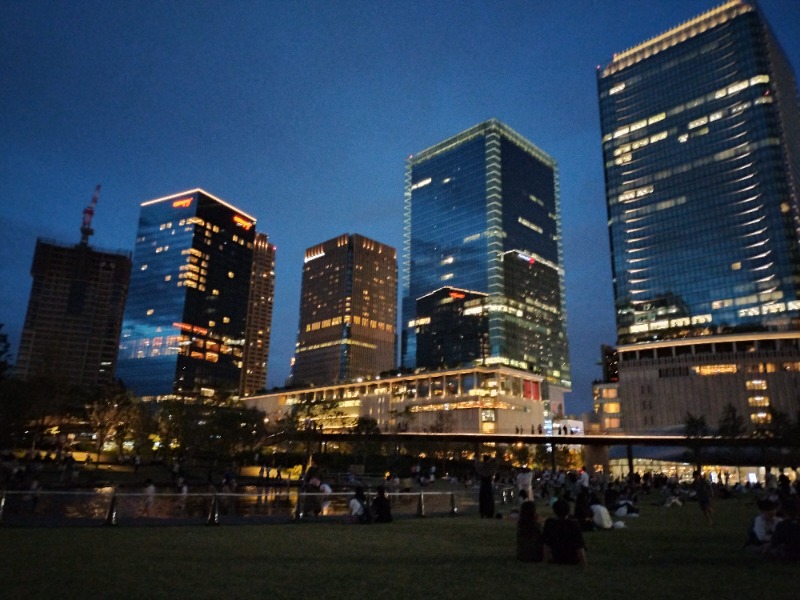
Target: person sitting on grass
<point>359,509</point>
<point>785,542</point>
<point>764,525</point>
<point>600,515</point>
<point>381,507</point>
<point>530,545</point>
<point>563,540</point>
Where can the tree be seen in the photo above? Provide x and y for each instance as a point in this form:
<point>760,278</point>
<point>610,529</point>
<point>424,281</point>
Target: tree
<point>366,427</point>
<point>696,426</point>
<point>108,414</point>
<point>731,423</point>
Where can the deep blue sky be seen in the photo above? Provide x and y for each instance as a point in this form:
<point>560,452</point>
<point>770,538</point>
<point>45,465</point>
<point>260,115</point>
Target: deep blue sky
<point>302,113</point>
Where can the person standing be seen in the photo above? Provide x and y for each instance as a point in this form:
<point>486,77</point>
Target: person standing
<point>486,470</point>
<point>702,491</point>
<point>524,483</point>
<point>149,497</point>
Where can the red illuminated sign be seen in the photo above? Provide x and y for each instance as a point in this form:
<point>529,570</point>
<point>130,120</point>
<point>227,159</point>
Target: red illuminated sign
<point>183,203</point>
<point>242,222</point>
<point>456,295</point>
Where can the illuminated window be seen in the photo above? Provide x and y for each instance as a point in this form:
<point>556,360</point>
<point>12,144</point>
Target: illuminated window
<point>609,393</point>
<point>231,275</point>
<point>758,401</point>
<point>611,407</point>
<point>612,422</point>
<point>761,418</point>
<point>706,370</point>
<point>698,122</point>
<point>212,323</point>
<point>756,384</point>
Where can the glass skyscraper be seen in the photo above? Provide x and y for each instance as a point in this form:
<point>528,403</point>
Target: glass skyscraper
<point>701,143</point>
<point>184,326</point>
<point>482,215</point>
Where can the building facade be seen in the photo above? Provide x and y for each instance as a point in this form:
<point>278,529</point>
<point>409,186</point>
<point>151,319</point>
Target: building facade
<point>185,320</point>
<point>701,143</point>
<point>72,325</point>
<point>348,311</point>
<point>452,328</point>
<point>259,317</point>
<point>470,400</point>
<point>483,216</point>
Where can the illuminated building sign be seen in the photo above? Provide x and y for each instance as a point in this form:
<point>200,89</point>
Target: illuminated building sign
<point>241,222</point>
<point>457,295</point>
<point>182,203</point>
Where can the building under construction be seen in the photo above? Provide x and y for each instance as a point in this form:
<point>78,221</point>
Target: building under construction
<point>74,316</point>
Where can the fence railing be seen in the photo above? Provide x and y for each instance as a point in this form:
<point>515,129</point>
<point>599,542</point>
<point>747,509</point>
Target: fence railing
<point>112,506</point>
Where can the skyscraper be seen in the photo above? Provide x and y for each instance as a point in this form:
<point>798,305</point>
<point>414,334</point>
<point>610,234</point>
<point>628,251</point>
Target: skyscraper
<point>184,327</point>
<point>259,317</point>
<point>74,316</point>
<point>701,143</point>
<point>483,215</point>
<point>348,311</point>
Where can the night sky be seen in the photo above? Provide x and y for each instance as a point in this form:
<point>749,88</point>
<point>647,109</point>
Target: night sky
<point>302,114</point>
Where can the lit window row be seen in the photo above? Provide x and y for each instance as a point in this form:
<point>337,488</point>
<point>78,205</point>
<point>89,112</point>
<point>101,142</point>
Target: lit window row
<point>729,90</point>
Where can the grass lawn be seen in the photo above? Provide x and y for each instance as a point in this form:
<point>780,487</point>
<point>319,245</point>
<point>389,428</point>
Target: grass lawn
<point>665,553</point>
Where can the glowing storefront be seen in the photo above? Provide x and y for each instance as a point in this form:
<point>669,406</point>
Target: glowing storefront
<point>472,400</point>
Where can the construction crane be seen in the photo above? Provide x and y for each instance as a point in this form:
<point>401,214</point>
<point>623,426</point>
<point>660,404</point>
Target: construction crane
<point>88,213</point>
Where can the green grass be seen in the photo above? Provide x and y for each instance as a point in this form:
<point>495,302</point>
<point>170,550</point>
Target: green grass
<point>665,553</point>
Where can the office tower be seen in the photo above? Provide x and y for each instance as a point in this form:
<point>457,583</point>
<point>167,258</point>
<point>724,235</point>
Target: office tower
<point>348,311</point>
<point>483,215</point>
<point>701,142</point>
<point>184,327</point>
<point>74,316</point>
<point>452,328</point>
<point>259,317</point>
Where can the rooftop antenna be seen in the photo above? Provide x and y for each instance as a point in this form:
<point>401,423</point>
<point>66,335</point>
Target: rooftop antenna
<point>88,213</point>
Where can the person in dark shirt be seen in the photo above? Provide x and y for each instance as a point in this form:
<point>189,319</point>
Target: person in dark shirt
<point>530,545</point>
<point>563,540</point>
<point>785,542</point>
<point>381,507</point>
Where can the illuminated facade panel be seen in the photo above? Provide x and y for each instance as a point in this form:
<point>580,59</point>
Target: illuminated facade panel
<point>348,311</point>
<point>472,400</point>
<point>482,214</point>
<point>701,143</point>
<point>72,325</point>
<point>661,382</point>
<point>184,327</point>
